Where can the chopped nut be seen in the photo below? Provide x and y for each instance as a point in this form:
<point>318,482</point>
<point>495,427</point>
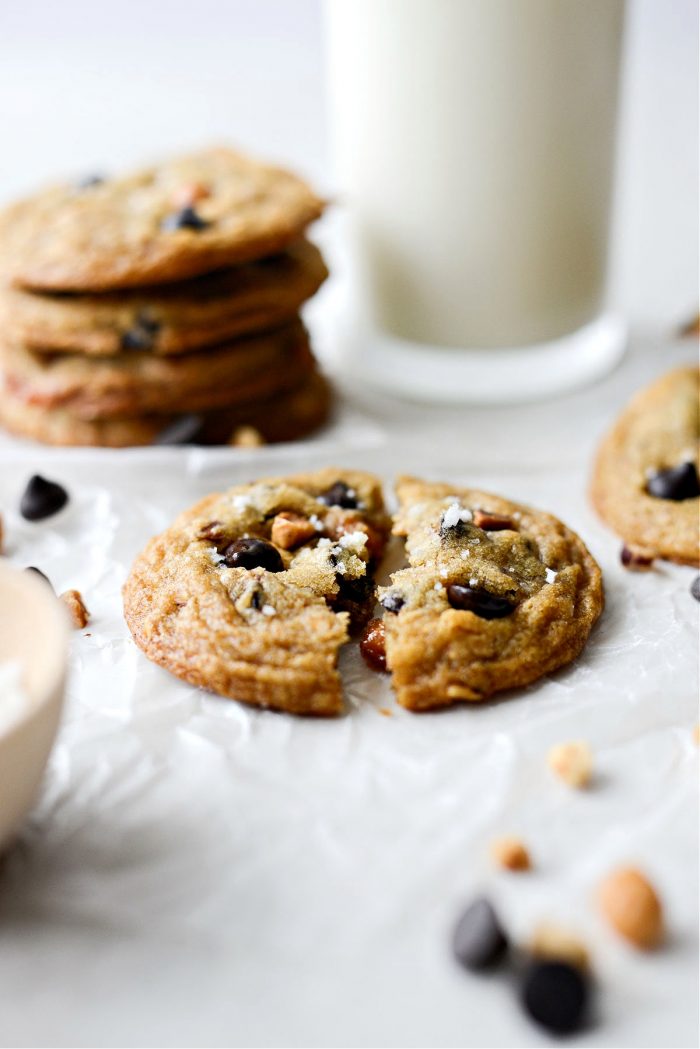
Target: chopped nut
<point>636,559</point>
<point>553,943</point>
<point>73,601</point>
<point>492,522</point>
<point>189,193</point>
<point>246,437</point>
<point>572,762</point>
<point>372,645</point>
<point>632,907</point>
<point>510,853</point>
<point>213,532</point>
<point>290,530</point>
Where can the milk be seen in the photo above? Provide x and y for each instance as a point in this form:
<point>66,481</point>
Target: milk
<point>474,148</point>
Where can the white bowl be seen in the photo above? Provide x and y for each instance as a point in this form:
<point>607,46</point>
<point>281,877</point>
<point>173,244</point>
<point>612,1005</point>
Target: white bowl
<point>34,634</point>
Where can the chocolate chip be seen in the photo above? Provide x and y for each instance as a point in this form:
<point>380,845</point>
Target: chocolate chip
<point>253,553</point>
<point>185,218</point>
<point>372,645</point>
<point>695,588</point>
<point>635,560</point>
<point>677,483</point>
<point>185,430</point>
<point>479,941</point>
<point>339,494</point>
<point>141,336</point>
<point>393,601</point>
<point>481,602</point>
<point>89,181</point>
<point>42,498</point>
<point>555,995</point>
<point>357,589</point>
<point>37,571</point>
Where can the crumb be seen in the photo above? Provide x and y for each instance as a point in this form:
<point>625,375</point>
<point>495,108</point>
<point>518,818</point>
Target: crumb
<point>572,762</point>
<point>73,601</point>
<point>246,437</point>
<point>554,943</point>
<point>630,904</point>
<point>510,853</point>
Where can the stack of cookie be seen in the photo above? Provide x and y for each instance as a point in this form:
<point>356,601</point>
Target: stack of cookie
<point>161,307</point>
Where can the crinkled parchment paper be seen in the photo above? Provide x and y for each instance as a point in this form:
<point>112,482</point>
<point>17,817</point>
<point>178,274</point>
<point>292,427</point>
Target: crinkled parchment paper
<point>199,873</point>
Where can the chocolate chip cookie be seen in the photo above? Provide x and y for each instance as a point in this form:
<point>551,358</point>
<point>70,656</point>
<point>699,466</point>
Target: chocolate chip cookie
<point>251,593</point>
<point>139,382</point>
<point>179,219</point>
<point>170,318</point>
<point>496,595</point>
<point>645,480</point>
<point>287,416</point>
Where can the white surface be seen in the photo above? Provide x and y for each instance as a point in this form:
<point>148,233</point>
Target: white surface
<point>202,874</point>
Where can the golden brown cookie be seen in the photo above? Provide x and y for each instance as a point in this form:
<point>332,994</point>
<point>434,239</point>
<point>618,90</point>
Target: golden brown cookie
<point>496,596</point>
<point>645,479</point>
<point>138,382</point>
<point>250,592</point>
<point>169,318</point>
<point>288,416</point>
<point>179,219</point>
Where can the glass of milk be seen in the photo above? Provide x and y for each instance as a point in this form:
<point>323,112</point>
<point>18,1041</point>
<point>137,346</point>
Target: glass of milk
<point>474,145</point>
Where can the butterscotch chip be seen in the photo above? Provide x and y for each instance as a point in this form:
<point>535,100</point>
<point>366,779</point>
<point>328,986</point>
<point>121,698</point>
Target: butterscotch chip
<point>572,762</point>
<point>246,437</point>
<point>73,601</point>
<point>554,943</point>
<point>630,904</point>
<point>510,853</point>
<point>290,530</point>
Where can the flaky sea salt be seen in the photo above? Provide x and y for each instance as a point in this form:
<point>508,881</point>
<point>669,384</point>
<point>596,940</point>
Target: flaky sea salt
<point>550,575</point>
<point>268,610</point>
<point>454,514</point>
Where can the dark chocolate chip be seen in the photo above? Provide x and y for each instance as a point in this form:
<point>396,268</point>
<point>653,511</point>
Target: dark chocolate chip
<point>185,430</point>
<point>185,218</point>
<point>695,588</point>
<point>42,498</point>
<point>555,995</point>
<point>481,602</point>
<point>137,339</point>
<point>89,181</point>
<point>677,483</point>
<point>479,941</point>
<point>393,602</point>
<point>357,589</point>
<point>37,571</point>
<point>339,494</point>
<point>253,553</point>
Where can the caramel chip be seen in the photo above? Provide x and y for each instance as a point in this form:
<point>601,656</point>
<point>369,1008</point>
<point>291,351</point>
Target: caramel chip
<point>630,904</point>
<point>510,853</point>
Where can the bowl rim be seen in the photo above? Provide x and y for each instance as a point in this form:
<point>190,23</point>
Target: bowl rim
<point>57,653</point>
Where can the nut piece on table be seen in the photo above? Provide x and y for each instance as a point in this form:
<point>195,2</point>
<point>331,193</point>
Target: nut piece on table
<point>630,904</point>
<point>79,614</point>
<point>290,530</point>
<point>572,762</point>
<point>554,943</point>
<point>510,853</point>
<point>246,437</point>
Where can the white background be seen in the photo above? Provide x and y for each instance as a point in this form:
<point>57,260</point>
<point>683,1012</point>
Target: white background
<point>200,874</point>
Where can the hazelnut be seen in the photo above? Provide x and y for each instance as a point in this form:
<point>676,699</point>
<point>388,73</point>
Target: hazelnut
<point>630,904</point>
<point>290,530</point>
<point>372,645</point>
<point>510,853</point>
<point>79,614</point>
<point>553,943</point>
<point>572,762</point>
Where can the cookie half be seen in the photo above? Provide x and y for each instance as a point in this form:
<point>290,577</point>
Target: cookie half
<point>496,596</point>
<point>179,219</point>
<point>645,479</point>
<point>287,416</point>
<point>251,592</point>
<point>170,318</point>
<point>140,383</point>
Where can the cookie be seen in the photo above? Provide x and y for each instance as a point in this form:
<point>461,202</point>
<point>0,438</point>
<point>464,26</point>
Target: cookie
<point>167,319</point>
<point>496,595</point>
<point>288,416</point>
<point>138,382</point>
<point>645,479</point>
<point>179,219</point>
<point>251,592</point>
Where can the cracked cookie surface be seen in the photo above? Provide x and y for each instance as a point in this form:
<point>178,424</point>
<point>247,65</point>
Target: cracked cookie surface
<point>482,609</point>
<point>645,478</point>
<point>252,592</point>
<point>181,218</point>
